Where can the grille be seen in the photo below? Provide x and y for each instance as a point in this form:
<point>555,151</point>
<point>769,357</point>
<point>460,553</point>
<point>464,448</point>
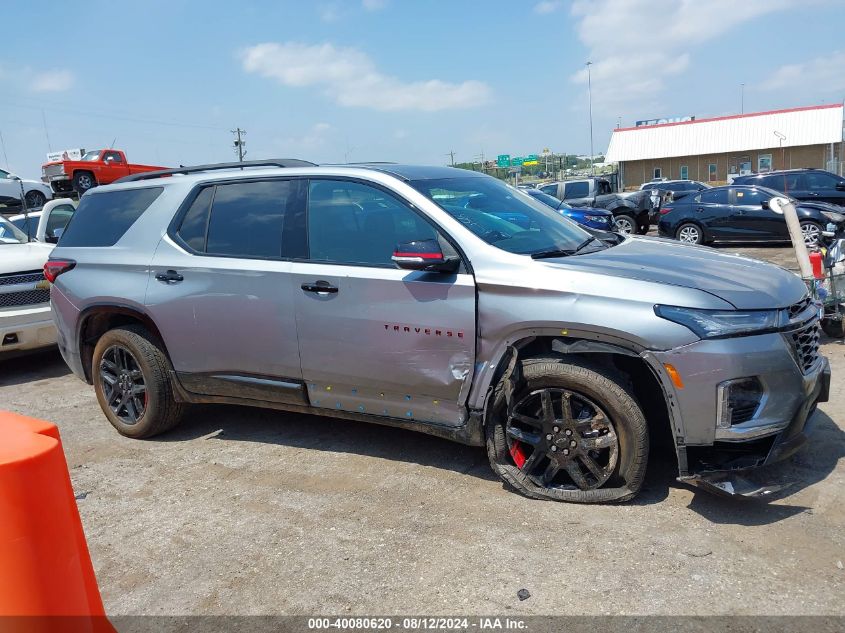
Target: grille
<point>744,413</point>
<point>805,342</point>
<point>53,170</point>
<point>30,277</point>
<point>25,298</point>
<point>797,308</point>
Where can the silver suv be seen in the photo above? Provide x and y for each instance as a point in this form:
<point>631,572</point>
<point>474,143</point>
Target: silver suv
<point>439,300</point>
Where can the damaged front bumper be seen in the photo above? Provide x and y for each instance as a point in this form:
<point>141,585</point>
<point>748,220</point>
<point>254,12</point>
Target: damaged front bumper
<point>727,468</point>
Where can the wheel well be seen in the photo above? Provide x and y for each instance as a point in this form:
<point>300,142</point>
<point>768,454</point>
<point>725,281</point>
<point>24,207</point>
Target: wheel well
<point>643,383</point>
<point>97,323</point>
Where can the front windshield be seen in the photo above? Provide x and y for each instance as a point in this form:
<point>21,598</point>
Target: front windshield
<point>10,234</point>
<point>91,156</point>
<point>546,199</point>
<point>502,215</point>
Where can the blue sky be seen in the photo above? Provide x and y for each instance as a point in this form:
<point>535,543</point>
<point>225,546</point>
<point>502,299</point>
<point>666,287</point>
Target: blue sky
<point>394,80</point>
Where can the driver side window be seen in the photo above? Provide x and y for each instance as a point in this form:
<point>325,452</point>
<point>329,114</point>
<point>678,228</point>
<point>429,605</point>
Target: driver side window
<point>353,223</point>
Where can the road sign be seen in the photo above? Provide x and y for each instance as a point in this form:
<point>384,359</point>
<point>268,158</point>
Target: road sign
<point>531,160</point>
<point>516,161</point>
<point>503,160</point>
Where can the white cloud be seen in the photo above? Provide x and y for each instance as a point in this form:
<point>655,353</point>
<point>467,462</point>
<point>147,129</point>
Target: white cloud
<point>312,139</point>
<point>350,77</point>
<point>822,74</point>
<point>329,13</point>
<point>374,5</point>
<point>52,81</point>
<point>633,53</point>
<point>547,6</point>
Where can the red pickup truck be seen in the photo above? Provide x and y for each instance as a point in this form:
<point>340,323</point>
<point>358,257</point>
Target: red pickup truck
<point>98,167</point>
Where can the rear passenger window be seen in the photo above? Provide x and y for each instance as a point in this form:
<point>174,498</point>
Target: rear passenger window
<point>242,219</point>
<point>195,222</point>
<point>714,196</point>
<point>351,223</point>
<point>103,218</point>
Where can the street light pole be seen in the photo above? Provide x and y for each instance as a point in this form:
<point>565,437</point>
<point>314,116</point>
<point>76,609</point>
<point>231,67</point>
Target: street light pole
<point>590,96</point>
<point>742,98</point>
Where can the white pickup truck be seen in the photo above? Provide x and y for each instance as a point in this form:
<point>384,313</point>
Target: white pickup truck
<point>25,320</point>
<point>47,224</point>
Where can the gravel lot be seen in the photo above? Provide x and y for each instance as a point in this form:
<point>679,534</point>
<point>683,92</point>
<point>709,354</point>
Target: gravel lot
<point>245,511</point>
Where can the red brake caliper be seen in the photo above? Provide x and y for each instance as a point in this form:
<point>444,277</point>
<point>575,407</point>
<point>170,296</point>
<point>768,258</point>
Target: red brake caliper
<point>517,454</point>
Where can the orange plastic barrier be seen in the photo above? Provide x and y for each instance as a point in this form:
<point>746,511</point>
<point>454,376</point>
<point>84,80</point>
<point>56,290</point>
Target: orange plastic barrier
<point>45,568</point>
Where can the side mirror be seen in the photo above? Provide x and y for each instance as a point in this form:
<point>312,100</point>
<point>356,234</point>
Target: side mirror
<point>840,186</point>
<point>423,255</point>
<point>764,204</point>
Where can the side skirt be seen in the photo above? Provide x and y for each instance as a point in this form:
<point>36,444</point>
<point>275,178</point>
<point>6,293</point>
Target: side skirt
<point>470,433</point>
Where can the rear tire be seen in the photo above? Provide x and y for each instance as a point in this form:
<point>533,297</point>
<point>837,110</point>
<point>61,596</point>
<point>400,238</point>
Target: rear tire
<point>131,379</point>
<point>604,436</point>
<point>689,234</point>
<point>35,200</point>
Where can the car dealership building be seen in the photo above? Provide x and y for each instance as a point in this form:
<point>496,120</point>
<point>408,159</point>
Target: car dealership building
<point>717,149</point>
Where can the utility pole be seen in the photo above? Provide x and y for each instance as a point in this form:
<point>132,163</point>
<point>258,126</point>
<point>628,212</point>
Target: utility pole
<point>3,145</point>
<point>240,143</point>
<point>590,96</point>
<point>452,155</point>
<point>742,98</point>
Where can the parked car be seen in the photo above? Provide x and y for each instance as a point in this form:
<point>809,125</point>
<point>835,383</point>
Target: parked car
<point>25,321</point>
<point>376,293</point>
<point>586,216</point>
<point>36,194</point>
<point>740,214</point>
<point>97,167</point>
<point>631,211</point>
<point>675,187</point>
<point>47,224</point>
<point>814,185</point>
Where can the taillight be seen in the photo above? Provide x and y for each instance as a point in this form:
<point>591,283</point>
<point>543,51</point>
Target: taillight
<point>55,267</point>
<point>665,210</point>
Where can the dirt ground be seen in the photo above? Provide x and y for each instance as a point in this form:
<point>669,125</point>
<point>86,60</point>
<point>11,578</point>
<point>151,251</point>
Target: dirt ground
<point>245,511</point>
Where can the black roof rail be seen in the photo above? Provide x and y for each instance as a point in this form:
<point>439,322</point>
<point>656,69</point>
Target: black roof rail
<point>269,162</point>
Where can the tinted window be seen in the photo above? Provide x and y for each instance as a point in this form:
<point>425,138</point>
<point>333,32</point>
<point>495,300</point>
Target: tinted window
<point>750,197</point>
<point>112,156</point>
<point>549,189</point>
<point>714,196</point>
<point>103,218</point>
<point>818,180</point>
<point>352,223</point>
<point>247,218</point>
<point>545,198</point>
<point>576,190</point>
<point>59,217</point>
<point>499,215</point>
<point>195,222</point>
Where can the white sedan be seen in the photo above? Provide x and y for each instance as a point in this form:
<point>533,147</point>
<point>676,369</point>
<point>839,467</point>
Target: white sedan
<point>36,193</point>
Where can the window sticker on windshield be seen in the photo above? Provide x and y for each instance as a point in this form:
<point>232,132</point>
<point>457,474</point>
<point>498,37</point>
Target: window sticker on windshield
<point>739,194</point>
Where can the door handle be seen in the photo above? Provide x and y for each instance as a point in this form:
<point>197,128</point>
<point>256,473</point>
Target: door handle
<point>169,276</point>
<point>321,287</point>
<point>699,209</point>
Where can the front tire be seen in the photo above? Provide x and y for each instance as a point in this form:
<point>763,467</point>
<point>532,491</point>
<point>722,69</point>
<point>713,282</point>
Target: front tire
<point>689,234</point>
<point>83,181</point>
<point>811,231</point>
<point>834,328</point>
<point>625,223</point>
<point>131,379</point>
<point>576,434</point>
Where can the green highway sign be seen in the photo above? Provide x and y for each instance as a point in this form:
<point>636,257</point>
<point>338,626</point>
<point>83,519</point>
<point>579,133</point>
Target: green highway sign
<point>503,160</point>
<point>531,160</point>
<point>516,161</point>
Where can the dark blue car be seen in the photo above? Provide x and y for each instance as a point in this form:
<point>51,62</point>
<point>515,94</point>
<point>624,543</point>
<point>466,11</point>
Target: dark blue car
<point>586,216</point>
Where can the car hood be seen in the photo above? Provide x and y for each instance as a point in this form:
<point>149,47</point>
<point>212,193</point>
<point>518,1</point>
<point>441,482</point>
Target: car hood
<point>747,284</point>
<point>18,258</point>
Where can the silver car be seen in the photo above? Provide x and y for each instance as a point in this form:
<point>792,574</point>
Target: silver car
<point>438,300</point>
